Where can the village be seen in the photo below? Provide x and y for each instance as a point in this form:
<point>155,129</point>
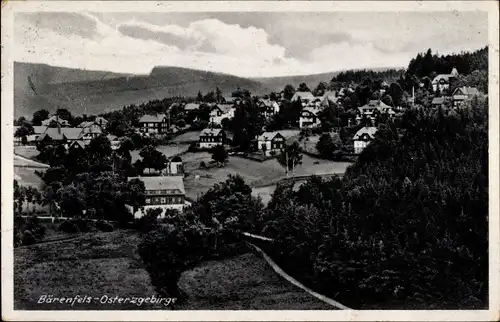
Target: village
<point>166,187</point>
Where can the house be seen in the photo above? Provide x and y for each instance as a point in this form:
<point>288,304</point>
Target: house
<point>463,93</point>
<point>316,102</point>
<point>231,100</point>
<point>77,145</point>
<point>174,167</point>
<point>305,97</point>
<point>191,107</point>
<point>220,112</point>
<point>99,123</point>
<point>270,143</point>
<point>329,96</point>
<point>164,192</point>
<point>372,108</point>
<point>363,137</point>
<point>154,124</point>
<point>55,121</point>
<point>442,81</point>
<point>115,141</point>
<point>268,107</point>
<point>438,102</point>
<point>59,135</point>
<point>90,132</point>
<point>309,118</point>
<point>211,137</point>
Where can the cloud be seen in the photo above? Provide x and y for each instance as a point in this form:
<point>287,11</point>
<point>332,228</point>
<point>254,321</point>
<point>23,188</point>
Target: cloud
<point>262,44</point>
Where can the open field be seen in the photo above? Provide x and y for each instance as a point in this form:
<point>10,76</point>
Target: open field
<point>96,265</point>
<point>245,282</point>
<point>191,136</point>
<point>254,173</point>
<point>167,150</point>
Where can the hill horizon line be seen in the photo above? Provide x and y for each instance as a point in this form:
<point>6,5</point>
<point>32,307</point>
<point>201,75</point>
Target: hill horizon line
<point>125,74</point>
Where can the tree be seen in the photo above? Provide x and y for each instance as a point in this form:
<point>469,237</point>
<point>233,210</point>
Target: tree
<point>40,116</point>
<point>303,88</point>
<point>291,157</point>
<point>23,131</point>
<point>219,154</point>
<point>99,151</point>
<point>325,146</point>
<point>288,92</point>
<point>72,200</point>
<point>64,114</point>
<point>199,97</point>
<point>153,159</point>
<point>320,89</point>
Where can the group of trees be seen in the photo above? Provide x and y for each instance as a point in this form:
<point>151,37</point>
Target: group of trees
<point>430,64</point>
<point>208,230</point>
<point>408,221</point>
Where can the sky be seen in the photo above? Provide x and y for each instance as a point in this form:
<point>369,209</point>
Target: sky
<point>247,44</point>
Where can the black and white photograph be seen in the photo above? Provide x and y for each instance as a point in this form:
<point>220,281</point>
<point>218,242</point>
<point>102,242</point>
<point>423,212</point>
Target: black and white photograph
<point>295,157</point>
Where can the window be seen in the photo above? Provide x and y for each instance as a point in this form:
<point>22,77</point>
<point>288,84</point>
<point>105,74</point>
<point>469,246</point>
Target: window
<point>163,200</point>
<point>148,201</point>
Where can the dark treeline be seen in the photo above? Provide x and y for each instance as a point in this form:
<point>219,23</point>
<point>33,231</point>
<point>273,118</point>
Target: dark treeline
<point>358,76</point>
<point>429,64</point>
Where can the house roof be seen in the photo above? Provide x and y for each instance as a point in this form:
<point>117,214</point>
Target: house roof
<point>162,183</point>
<point>92,129</point>
<point>191,106</point>
<point>80,143</point>
<point>71,133</point>
<point>156,118</point>
<point>225,108</point>
<point>211,132</point>
<point>302,95</point>
<point>268,136</point>
<point>39,129</point>
<point>55,119</point>
<point>370,130</point>
<point>375,104</point>
<point>470,91</point>
<point>438,100</point>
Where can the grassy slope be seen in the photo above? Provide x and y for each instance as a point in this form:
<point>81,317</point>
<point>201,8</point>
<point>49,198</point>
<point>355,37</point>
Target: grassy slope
<point>93,95</point>
<point>254,173</point>
<point>244,282</point>
<point>93,265</point>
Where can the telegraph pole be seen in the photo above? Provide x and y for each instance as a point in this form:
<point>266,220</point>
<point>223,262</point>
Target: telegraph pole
<point>286,161</point>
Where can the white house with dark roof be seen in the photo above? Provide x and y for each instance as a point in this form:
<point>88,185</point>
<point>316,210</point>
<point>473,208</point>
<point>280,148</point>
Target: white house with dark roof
<point>462,94</point>
<point>164,192</point>
<point>211,137</point>
<point>268,107</point>
<point>220,112</point>
<point>372,108</point>
<point>305,97</point>
<point>442,81</point>
<point>363,137</point>
<point>309,118</point>
<point>270,142</point>
<point>154,124</point>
